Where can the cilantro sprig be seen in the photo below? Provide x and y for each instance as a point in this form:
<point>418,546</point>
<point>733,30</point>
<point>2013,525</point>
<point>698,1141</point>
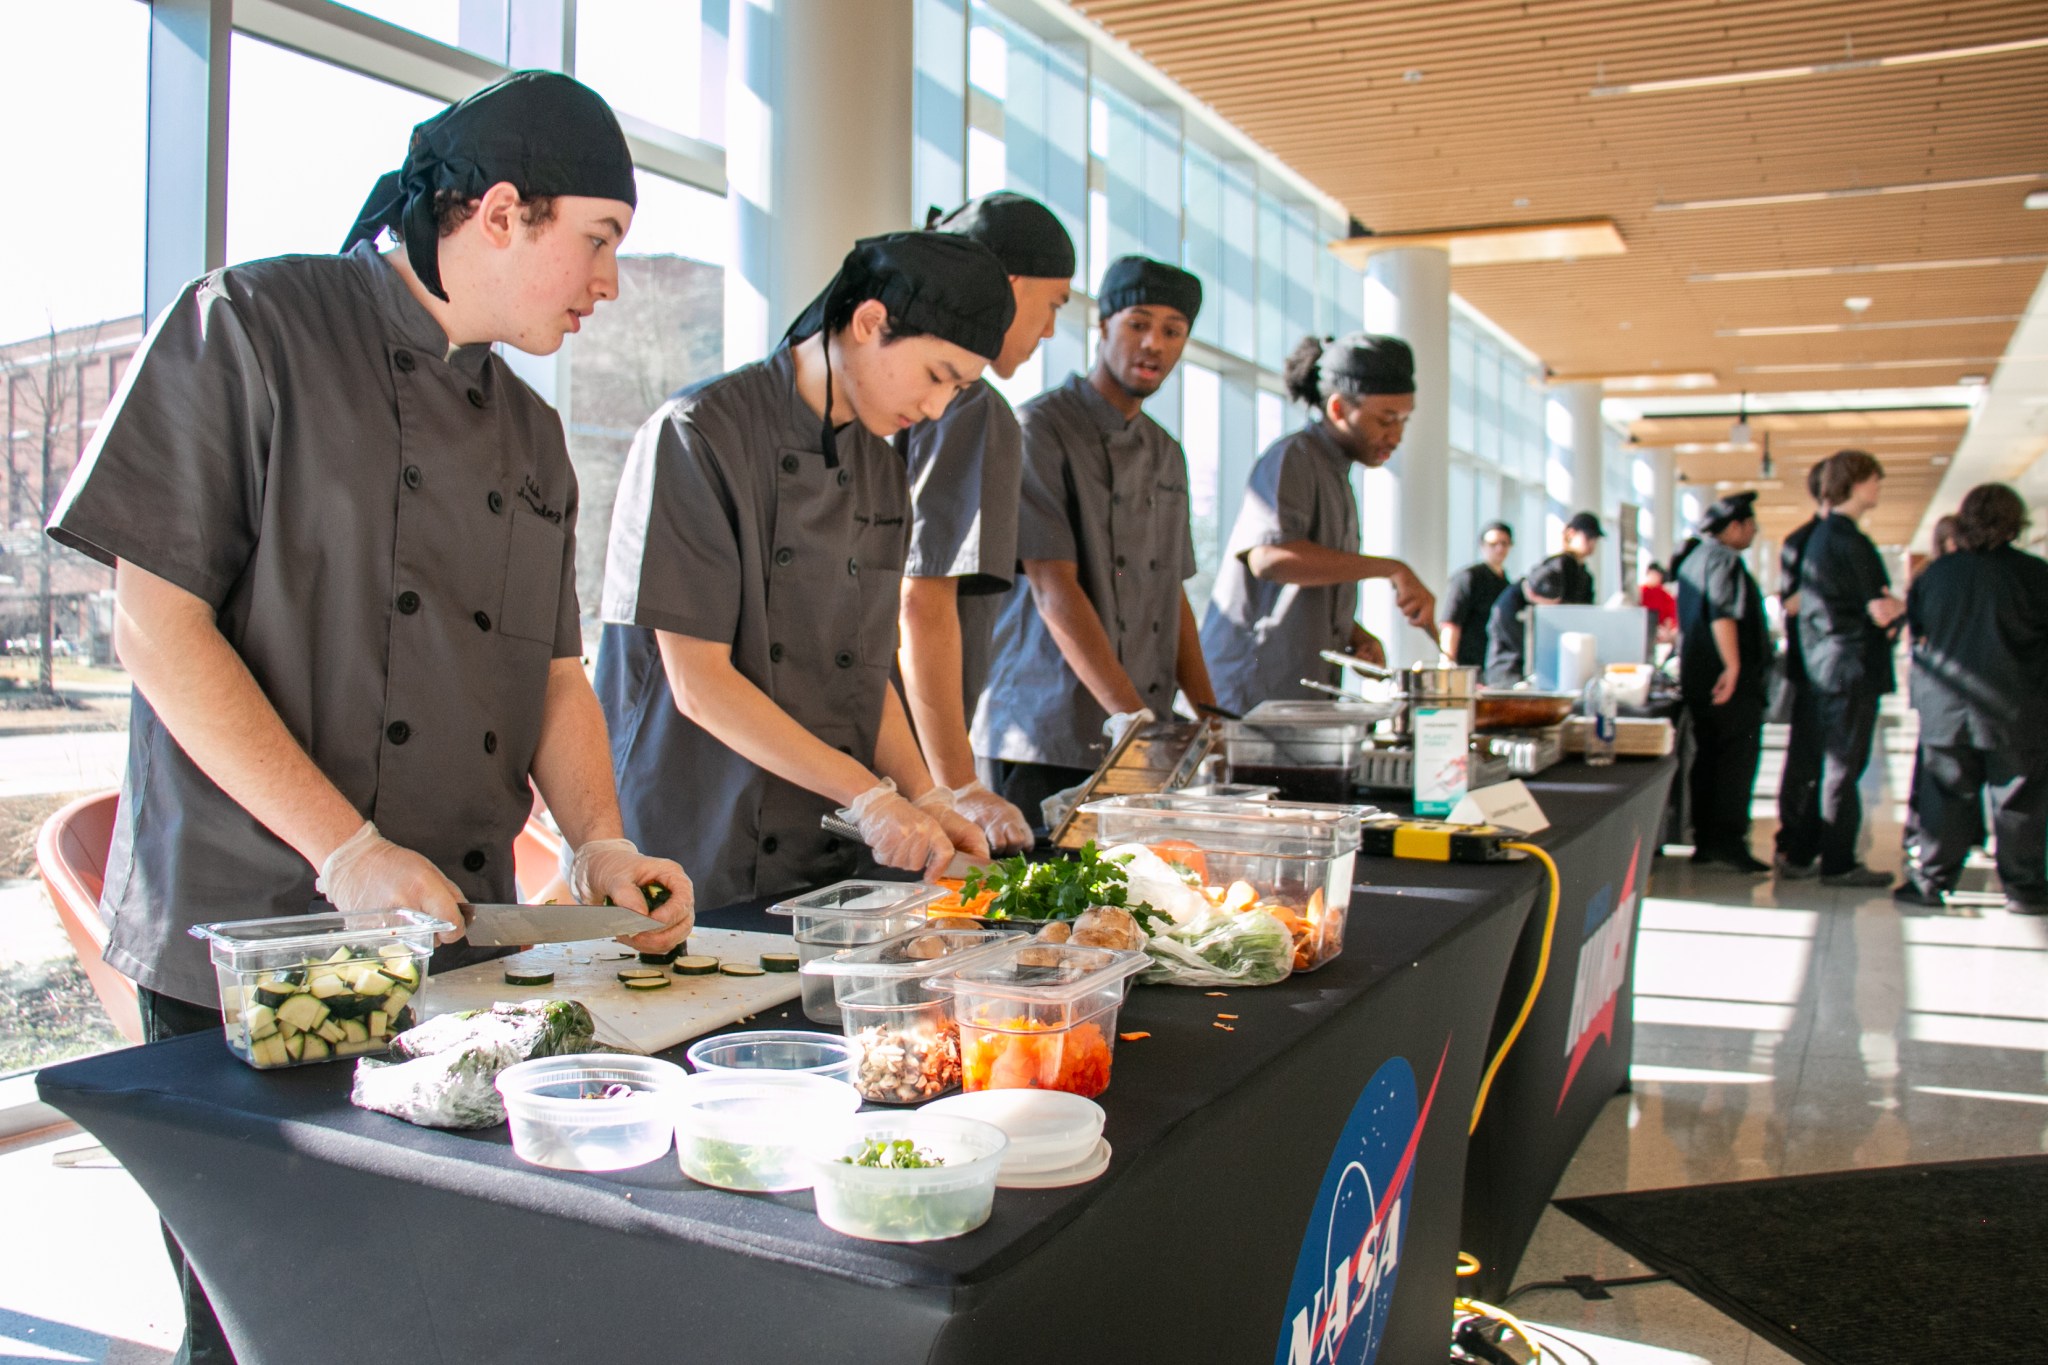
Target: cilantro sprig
<point>1058,889</point>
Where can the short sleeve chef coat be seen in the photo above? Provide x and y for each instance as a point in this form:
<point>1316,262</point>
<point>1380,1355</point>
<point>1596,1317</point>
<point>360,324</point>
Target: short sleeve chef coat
<point>1715,585</point>
<point>966,473</point>
<point>1262,638</point>
<point>386,532</point>
<point>730,527</point>
<point>1112,497</point>
<point>1469,604</point>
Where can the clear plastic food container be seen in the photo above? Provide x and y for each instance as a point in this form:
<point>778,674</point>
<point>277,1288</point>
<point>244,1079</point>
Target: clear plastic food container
<point>849,914</point>
<point>1040,1016</point>
<point>1309,750</point>
<point>748,1130</point>
<point>601,1112</point>
<point>907,1203</point>
<point>1294,860</point>
<point>1049,1130</point>
<point>312,988</point>
<point>906,1048</point>
<point>791,1051</point>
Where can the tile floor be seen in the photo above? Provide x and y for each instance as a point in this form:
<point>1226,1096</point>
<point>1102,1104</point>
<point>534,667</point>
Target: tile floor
<point>1781,1029</point>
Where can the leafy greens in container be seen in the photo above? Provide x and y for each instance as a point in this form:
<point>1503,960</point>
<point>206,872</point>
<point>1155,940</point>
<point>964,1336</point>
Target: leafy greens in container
<point>1060,889</point>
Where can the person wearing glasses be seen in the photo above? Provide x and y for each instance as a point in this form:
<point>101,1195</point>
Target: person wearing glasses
<point>1288,588</point>
<point>1461,623</point>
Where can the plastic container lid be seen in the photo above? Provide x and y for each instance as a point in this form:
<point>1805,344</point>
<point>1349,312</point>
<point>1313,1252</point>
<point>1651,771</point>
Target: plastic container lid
<point>914,954</point>
<point>790,1052</point>
<point>1288,828</point>
<point>1048,1129</point>
<point>861,899</point>
<point>1051,974</point>
<point>286,936</point>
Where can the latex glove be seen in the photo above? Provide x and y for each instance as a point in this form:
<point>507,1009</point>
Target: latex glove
<point>965,836</point>
<point>1116,726</point>
<point>369,872</point>
<point>898,833</point>
<point>616,869</point>
<point>1004,824</point>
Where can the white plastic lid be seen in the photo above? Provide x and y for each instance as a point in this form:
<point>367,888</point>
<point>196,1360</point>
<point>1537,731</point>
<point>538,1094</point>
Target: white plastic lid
<point>859,899</point>
<point>1048,1129</point>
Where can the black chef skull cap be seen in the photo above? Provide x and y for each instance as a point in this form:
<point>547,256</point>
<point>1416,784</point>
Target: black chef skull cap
<point>932,283</point>
<point>1363,364</point>
<point>539,131</point>
<point>1727,511</point>
<point>1026,236</point>
<point>1134,280</point>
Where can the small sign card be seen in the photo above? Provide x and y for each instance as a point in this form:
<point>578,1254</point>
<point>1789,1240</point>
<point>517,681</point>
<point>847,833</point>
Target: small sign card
<point>1511,805</point>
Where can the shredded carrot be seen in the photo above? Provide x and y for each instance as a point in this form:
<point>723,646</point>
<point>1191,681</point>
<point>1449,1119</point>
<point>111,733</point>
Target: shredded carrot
<point>1225,1027</point>
<point>1220,995</point>
<point>1133,1037</point>
<point>1226,1016</point>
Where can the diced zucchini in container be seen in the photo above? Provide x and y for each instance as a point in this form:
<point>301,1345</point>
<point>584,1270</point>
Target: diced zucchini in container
<point>311,988</point>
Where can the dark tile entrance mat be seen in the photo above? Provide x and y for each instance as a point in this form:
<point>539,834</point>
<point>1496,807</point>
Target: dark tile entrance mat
<point>1904,1265</point>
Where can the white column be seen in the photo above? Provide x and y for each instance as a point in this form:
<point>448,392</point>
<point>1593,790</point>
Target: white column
<point>1416,306</point>
<point>1663,504</point>
<point>818,151</point>
<point>186,195</point>
<point>1589,486</point>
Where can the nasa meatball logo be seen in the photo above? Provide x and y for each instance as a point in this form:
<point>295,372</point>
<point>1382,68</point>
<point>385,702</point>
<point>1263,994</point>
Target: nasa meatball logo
<point>1603,970</point>
<point>1344,1275</point>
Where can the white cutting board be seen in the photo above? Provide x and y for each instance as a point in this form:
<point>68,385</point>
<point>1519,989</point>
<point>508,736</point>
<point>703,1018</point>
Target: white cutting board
<point>644,1021</point>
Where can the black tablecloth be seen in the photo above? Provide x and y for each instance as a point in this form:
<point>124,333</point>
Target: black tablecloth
<point>1226,1229</point>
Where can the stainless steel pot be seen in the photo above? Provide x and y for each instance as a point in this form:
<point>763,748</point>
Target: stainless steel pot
<point>1435,685</point>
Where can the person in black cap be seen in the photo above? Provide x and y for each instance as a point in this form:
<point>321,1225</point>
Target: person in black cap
<point>1724,657</point>
<point>1979,618</point>
<point>343,535</point>
<point>966,479</point>
<point>1561,580</point>
<point>753,577</point>
<point>1099,634</point>
<point>1288,588</point>
<point>1462,618</point>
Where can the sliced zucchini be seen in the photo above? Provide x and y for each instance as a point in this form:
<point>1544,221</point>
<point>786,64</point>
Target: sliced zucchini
<point>528,976</point>
<point>740,969</point>
<point>317,1049</point>
<point>631,974</point>
<point>303,1012</point>
<point>332,1031</point>
<point>662,959</point>
<point>394,1003</point>
<point>779,962</point>
<point>354,1031</point>
<point>648,983</point>
<point>355,1049</point>
<point>270,1051</point>
<point>402,973</point>
<point>342,955</point>
<point>295,1046</point>
<point>261,1020</point>
<point>695,966</point>
<point>380,1024</point>
<point>394,950</point>
<point>369,980</point>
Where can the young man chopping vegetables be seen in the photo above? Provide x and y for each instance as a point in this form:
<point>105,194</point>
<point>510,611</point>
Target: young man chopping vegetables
<point>752,584</point>
<point>342,533</point>
<point>966,471</point>
<point>1099,634</point>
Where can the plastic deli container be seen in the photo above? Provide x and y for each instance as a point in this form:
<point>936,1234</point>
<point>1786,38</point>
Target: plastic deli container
<point>748,1130</point>
<point>1049,1130</point>
<point>906,1047</point>
<point>1040,1016</point>
<point>601,1112</point>
<point>1296,859</point>
<point>914,1203</point>
<point>1309,750</point>
<point>849,914</point>
<point>311,988</point>
<point>790,1051</point>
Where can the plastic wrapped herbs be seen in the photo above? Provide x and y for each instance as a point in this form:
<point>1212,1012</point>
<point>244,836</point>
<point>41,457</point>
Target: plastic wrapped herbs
<point>451,1064</point>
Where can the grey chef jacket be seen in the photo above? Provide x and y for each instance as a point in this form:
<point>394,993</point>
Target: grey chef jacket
<point>730,527</point>
<point>385,530</point>
<point>1262,638</point>
<point>1112,497</point>
<point>966,471</point>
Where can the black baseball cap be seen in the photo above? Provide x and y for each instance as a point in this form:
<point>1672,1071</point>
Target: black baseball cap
<point>1586,522</point>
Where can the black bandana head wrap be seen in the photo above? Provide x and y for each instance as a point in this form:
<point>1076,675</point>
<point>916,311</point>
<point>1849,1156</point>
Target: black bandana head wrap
<point>1363,364</point>
<point>932,284</point>
<point>1726,512</point>
<point>1025,235</point>
<point>1134,280</point>
<point>540,131</point>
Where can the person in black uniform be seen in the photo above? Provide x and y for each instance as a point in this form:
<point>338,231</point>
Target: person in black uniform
<point>1979,617</point>
<point>1461,624</point>
<point>1798,842</point>
<point>1847,620</point>
<point>1561,580</point>
<point>1724,656</point>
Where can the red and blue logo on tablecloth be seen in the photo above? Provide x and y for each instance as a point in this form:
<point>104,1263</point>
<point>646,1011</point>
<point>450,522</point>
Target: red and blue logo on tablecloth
<point>1603,970</point>
<point>1344,1276</point>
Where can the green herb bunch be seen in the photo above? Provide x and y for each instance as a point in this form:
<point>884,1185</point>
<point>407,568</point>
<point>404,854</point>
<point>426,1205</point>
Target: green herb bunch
<point>899,1155</point>
<point>1058,889</point>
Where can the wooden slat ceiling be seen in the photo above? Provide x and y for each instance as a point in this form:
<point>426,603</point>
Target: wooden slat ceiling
<point>1456,113</point>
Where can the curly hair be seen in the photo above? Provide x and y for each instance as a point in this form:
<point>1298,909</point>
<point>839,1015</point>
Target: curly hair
<point>1991,515</point>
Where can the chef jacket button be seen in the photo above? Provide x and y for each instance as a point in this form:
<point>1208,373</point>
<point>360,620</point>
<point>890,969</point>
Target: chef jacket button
<point>789,463</point>
<point>408,601</point>
<point>1150,500</point>
<point>853,566</point>
<point>412,476</point>
<point>1155,564</point>
<point>1154,687</point>
<point>784,557</point>
<point>1119,623</point>
<point>403,360</point>
<point>846,749</point>
<point>1155,627</point>
<point>490,741</point>
<point>1119,561</point>
<point>844,478</point>
<point>495,501</point>
<point>483,621</point>
<point>1116,499</point>
<point>770,844</point>
<point>831,845</point>
<point>843,659</point>
<point>775,654</point>
<point>398,732</point>
<point>473,861</point>
<point>476,400</point>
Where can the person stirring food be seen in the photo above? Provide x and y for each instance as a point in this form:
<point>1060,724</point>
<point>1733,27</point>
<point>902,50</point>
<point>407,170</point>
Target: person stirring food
<point>343,536</point>
<point>753,577</point>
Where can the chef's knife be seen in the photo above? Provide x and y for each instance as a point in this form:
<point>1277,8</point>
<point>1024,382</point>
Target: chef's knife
<point>496,926</point>
<point>841,823</point>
